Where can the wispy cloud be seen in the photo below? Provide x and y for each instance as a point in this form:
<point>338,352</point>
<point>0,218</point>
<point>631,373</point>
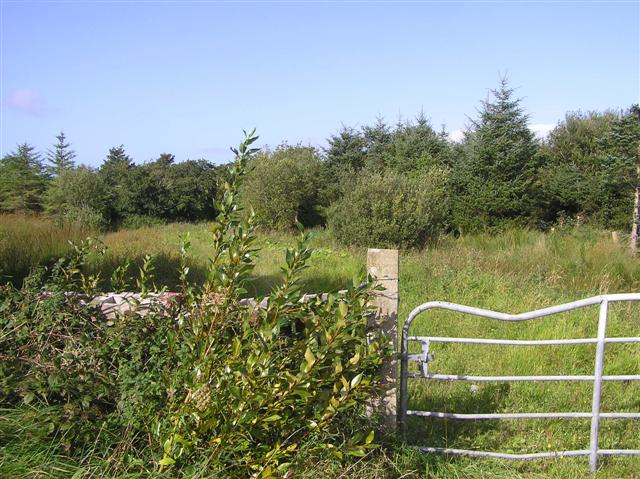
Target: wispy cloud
<point>27,101</point>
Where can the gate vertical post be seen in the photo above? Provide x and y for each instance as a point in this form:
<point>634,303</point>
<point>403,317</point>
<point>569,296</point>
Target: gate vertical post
<point>383,265</point>
<point>597,385</point>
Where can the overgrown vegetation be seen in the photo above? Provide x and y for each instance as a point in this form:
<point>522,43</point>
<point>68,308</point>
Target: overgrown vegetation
<point>392,210</point>
<point>283,187</point>
<point>203,385</point>
<point>514,270</point>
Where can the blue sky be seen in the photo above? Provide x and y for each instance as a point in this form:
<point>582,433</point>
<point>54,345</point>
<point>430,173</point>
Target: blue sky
<point>187,77</point>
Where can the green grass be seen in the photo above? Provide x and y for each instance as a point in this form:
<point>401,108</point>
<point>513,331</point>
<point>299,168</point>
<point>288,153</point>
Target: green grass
<point>514,271</point>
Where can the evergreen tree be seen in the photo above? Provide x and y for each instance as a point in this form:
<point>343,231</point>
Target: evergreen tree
<point>343,159</point>
<point>346,150</point>
<point>494,180</point>
<point>61,157</point>
<point>116,174</point>
<point>377,143</point>
<point>622,169</point>
<point>416,146</point>
<point>23,180</point>
<point>591,162</point>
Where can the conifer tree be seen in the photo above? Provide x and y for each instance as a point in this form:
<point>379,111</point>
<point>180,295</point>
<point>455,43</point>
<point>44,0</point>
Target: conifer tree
<point>61,157</point>
<point>23,180</point>
<point>116,173</point>
<point>494,180</point>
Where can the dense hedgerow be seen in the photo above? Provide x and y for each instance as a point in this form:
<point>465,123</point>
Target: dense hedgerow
<point>208,381</point>
<point>392,209</point>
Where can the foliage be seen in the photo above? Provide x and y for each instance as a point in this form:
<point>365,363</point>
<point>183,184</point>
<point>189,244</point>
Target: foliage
<point>264,381</point>
<point>134,222</point>
<point>78,196</point>
<point>61,157</point>
<point>499,175</point>
<point>392,209</point>
<point>58,350</point>
<point>23,180</point>
<point>590,168</point>
<point>282,187</point>
<point>494,180</point>
<point>210,381</point>
<point>171,191</point>
<point>115,174</point>
<point>417,146</point>
<point>513,270</point>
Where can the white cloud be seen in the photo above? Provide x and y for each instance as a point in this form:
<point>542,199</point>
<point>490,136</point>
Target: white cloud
<point>456,135</point>
<point>542,129</point>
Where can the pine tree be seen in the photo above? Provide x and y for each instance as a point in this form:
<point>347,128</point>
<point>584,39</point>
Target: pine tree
<point>494,180</point>
<point>61,157</point>
<point>23,180</point>
<point>117,175</point>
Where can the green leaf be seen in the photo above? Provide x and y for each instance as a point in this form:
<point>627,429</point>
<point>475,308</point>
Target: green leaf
<point>166,461</point>
<point>370,437</point>
<point>310,358</point>
<point>356,380</point>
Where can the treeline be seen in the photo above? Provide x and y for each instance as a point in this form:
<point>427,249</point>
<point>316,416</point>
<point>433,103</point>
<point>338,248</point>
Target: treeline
<point>119,193</point>
<point>381,184</point>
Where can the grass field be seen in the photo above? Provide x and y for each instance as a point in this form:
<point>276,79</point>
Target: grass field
<point>514,271</point>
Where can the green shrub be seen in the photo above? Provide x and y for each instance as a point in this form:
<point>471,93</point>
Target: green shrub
<point>282,187</point>
<point>84,216</point>
<point>391,209</point>
<point>210,382</point>
<point>78,196</point>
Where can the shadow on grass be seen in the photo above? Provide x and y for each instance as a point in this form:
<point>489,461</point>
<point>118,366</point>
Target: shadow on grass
<point>165,270</point>
<point>166,274</point>
<point>437,432</point>
<point>262,285</point>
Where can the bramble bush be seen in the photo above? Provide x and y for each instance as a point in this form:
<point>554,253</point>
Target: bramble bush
<point>208,381</point>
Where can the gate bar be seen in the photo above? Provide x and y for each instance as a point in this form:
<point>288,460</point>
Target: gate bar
<point>525,415</point>
<point>461,377</point>
<point>535,455</point>
<point>597,384</point>
<point>521,342</point>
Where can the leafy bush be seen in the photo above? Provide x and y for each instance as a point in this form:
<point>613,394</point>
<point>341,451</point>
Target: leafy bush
<point>392,209</point>
<point>210,381</point>
<point>78,196</point>
<point>282,187</point>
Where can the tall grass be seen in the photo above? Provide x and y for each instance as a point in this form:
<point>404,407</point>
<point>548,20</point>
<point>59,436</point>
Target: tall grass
<point>28,241</point>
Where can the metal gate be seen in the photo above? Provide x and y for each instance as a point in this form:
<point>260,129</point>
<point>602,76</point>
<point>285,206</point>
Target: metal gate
<point>423,359</point>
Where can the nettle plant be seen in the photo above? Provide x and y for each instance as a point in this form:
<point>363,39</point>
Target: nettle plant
<point>261,382</point>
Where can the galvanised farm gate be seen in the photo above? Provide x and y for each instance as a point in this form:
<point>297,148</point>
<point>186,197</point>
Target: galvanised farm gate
<point>423,358</point>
